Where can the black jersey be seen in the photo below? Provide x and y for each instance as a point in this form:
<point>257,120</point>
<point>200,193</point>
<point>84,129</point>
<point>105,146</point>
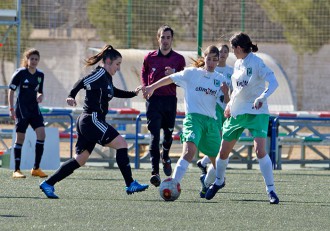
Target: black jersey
<point>99,91</point>
<point>28,86</point>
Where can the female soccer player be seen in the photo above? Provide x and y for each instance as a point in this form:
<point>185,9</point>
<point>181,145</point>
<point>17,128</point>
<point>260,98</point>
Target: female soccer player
<point>208,176</point>
<point>29,81</point>
<point>91,125</point>
<point>227,71</point>
<point>247,109</point>
<point>202,86</point>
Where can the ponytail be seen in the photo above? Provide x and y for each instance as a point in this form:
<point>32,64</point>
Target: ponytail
<point>107,52</point>
<point>209,50</point>
<point>244,41</point>
<point>254,48</point>
<point>198,62</point>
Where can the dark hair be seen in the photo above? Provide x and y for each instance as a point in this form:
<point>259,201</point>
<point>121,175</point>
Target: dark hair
<point>223,45</point>
<point>209,50</point>
<point>164,28</point>
<point>107,52</point>
<point>243,40</point>
<point>27,54</point>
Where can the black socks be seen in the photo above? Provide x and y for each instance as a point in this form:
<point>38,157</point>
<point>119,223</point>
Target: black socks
<point>64,171</point>
<point>39,152</point>
<point>124,165</point>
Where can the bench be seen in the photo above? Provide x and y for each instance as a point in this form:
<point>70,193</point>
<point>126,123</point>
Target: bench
<point>306,130</point>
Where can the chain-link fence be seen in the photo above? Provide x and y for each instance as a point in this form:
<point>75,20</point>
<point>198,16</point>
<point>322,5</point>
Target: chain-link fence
<point>294,32</point>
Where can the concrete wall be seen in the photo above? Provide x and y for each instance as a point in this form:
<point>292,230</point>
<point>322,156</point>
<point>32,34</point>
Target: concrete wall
<point>62,63</point>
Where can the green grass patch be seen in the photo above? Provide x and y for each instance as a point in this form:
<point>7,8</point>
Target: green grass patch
<point>93,198</point>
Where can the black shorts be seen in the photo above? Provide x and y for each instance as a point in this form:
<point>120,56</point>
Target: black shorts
<point>161,112</point>
<point>91,130</point>
<point>22,124</point>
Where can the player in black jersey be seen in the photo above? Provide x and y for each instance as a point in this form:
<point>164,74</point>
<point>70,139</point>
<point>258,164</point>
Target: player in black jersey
<point>92,127</point>
<point>29,81</point>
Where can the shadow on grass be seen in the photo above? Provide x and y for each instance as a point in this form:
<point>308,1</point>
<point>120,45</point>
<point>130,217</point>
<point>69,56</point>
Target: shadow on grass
<point>93,179</point>
<point>8,216</point>
<point>17,197</point>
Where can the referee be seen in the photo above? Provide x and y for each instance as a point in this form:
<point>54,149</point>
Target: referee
<point>161,106</point>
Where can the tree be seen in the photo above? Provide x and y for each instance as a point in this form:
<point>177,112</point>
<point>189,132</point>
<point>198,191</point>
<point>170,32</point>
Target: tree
<point>306,28</point>
<point>114,26</point>
<point>305,22</point>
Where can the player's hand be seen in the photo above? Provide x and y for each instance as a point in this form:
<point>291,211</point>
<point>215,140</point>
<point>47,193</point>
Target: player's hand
<point>258,102</point>
<point>147,91</point>
<point>138,89</point>
<point>169,71</point>
<point>12,114</point>
<point>227,112</point>
<point>224,88</point>
<point>71,101</point>
<point>40,98</point>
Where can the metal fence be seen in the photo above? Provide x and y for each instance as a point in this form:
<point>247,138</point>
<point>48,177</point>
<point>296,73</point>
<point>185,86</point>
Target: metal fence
<point>295,32</point>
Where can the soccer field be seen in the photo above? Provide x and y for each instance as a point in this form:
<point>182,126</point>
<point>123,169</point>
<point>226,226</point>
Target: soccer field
<point>93,198</point>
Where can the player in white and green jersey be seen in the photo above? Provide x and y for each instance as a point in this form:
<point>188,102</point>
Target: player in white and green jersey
<point>201,86</point>
<point>208,176</point>
<point>247,109</point>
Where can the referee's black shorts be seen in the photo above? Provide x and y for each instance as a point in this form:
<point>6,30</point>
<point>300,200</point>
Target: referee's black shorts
<point>161,112</point>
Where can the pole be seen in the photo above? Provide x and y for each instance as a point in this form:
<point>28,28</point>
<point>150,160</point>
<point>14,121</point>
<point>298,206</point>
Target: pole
<point>200,27</point>
<point>243,16</point>
<point>18,25</point>
<point>129,23</point>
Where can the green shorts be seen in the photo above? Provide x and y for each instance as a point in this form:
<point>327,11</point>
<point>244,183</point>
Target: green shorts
<point>220,115</point>
<point>203,132</point>
<point>256,124</point>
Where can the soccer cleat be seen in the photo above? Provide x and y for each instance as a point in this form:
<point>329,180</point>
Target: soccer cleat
<point>18,174</point>
<point>38,172</point>
<point>155,180</point>
<point>213,189</point>
<point>204,188</point>
<point>273,199</point>
<point>48,190</point>
<point>167,168</point>
<point>136,187</point>
<point>201,167</point>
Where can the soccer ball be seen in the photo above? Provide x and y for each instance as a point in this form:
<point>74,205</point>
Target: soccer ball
<point>170,189</point>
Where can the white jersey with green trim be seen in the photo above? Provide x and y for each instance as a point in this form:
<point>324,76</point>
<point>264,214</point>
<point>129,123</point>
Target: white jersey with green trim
<point>201,89</point>
<point>227,72</point>
<point>249,83</point>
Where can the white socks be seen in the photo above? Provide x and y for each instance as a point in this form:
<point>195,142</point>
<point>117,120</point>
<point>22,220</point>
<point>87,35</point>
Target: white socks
<point>180,169</point>
<point>265,165</point>
<point>210,176</point>
<point>205,160</point>
<point>220,170</point>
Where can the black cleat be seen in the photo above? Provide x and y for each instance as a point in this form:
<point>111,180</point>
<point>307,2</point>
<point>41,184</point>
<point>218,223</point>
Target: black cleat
<point>201,167</point>
<point>273,199</point>
<point>167,168</point>
<point>155,180</point>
